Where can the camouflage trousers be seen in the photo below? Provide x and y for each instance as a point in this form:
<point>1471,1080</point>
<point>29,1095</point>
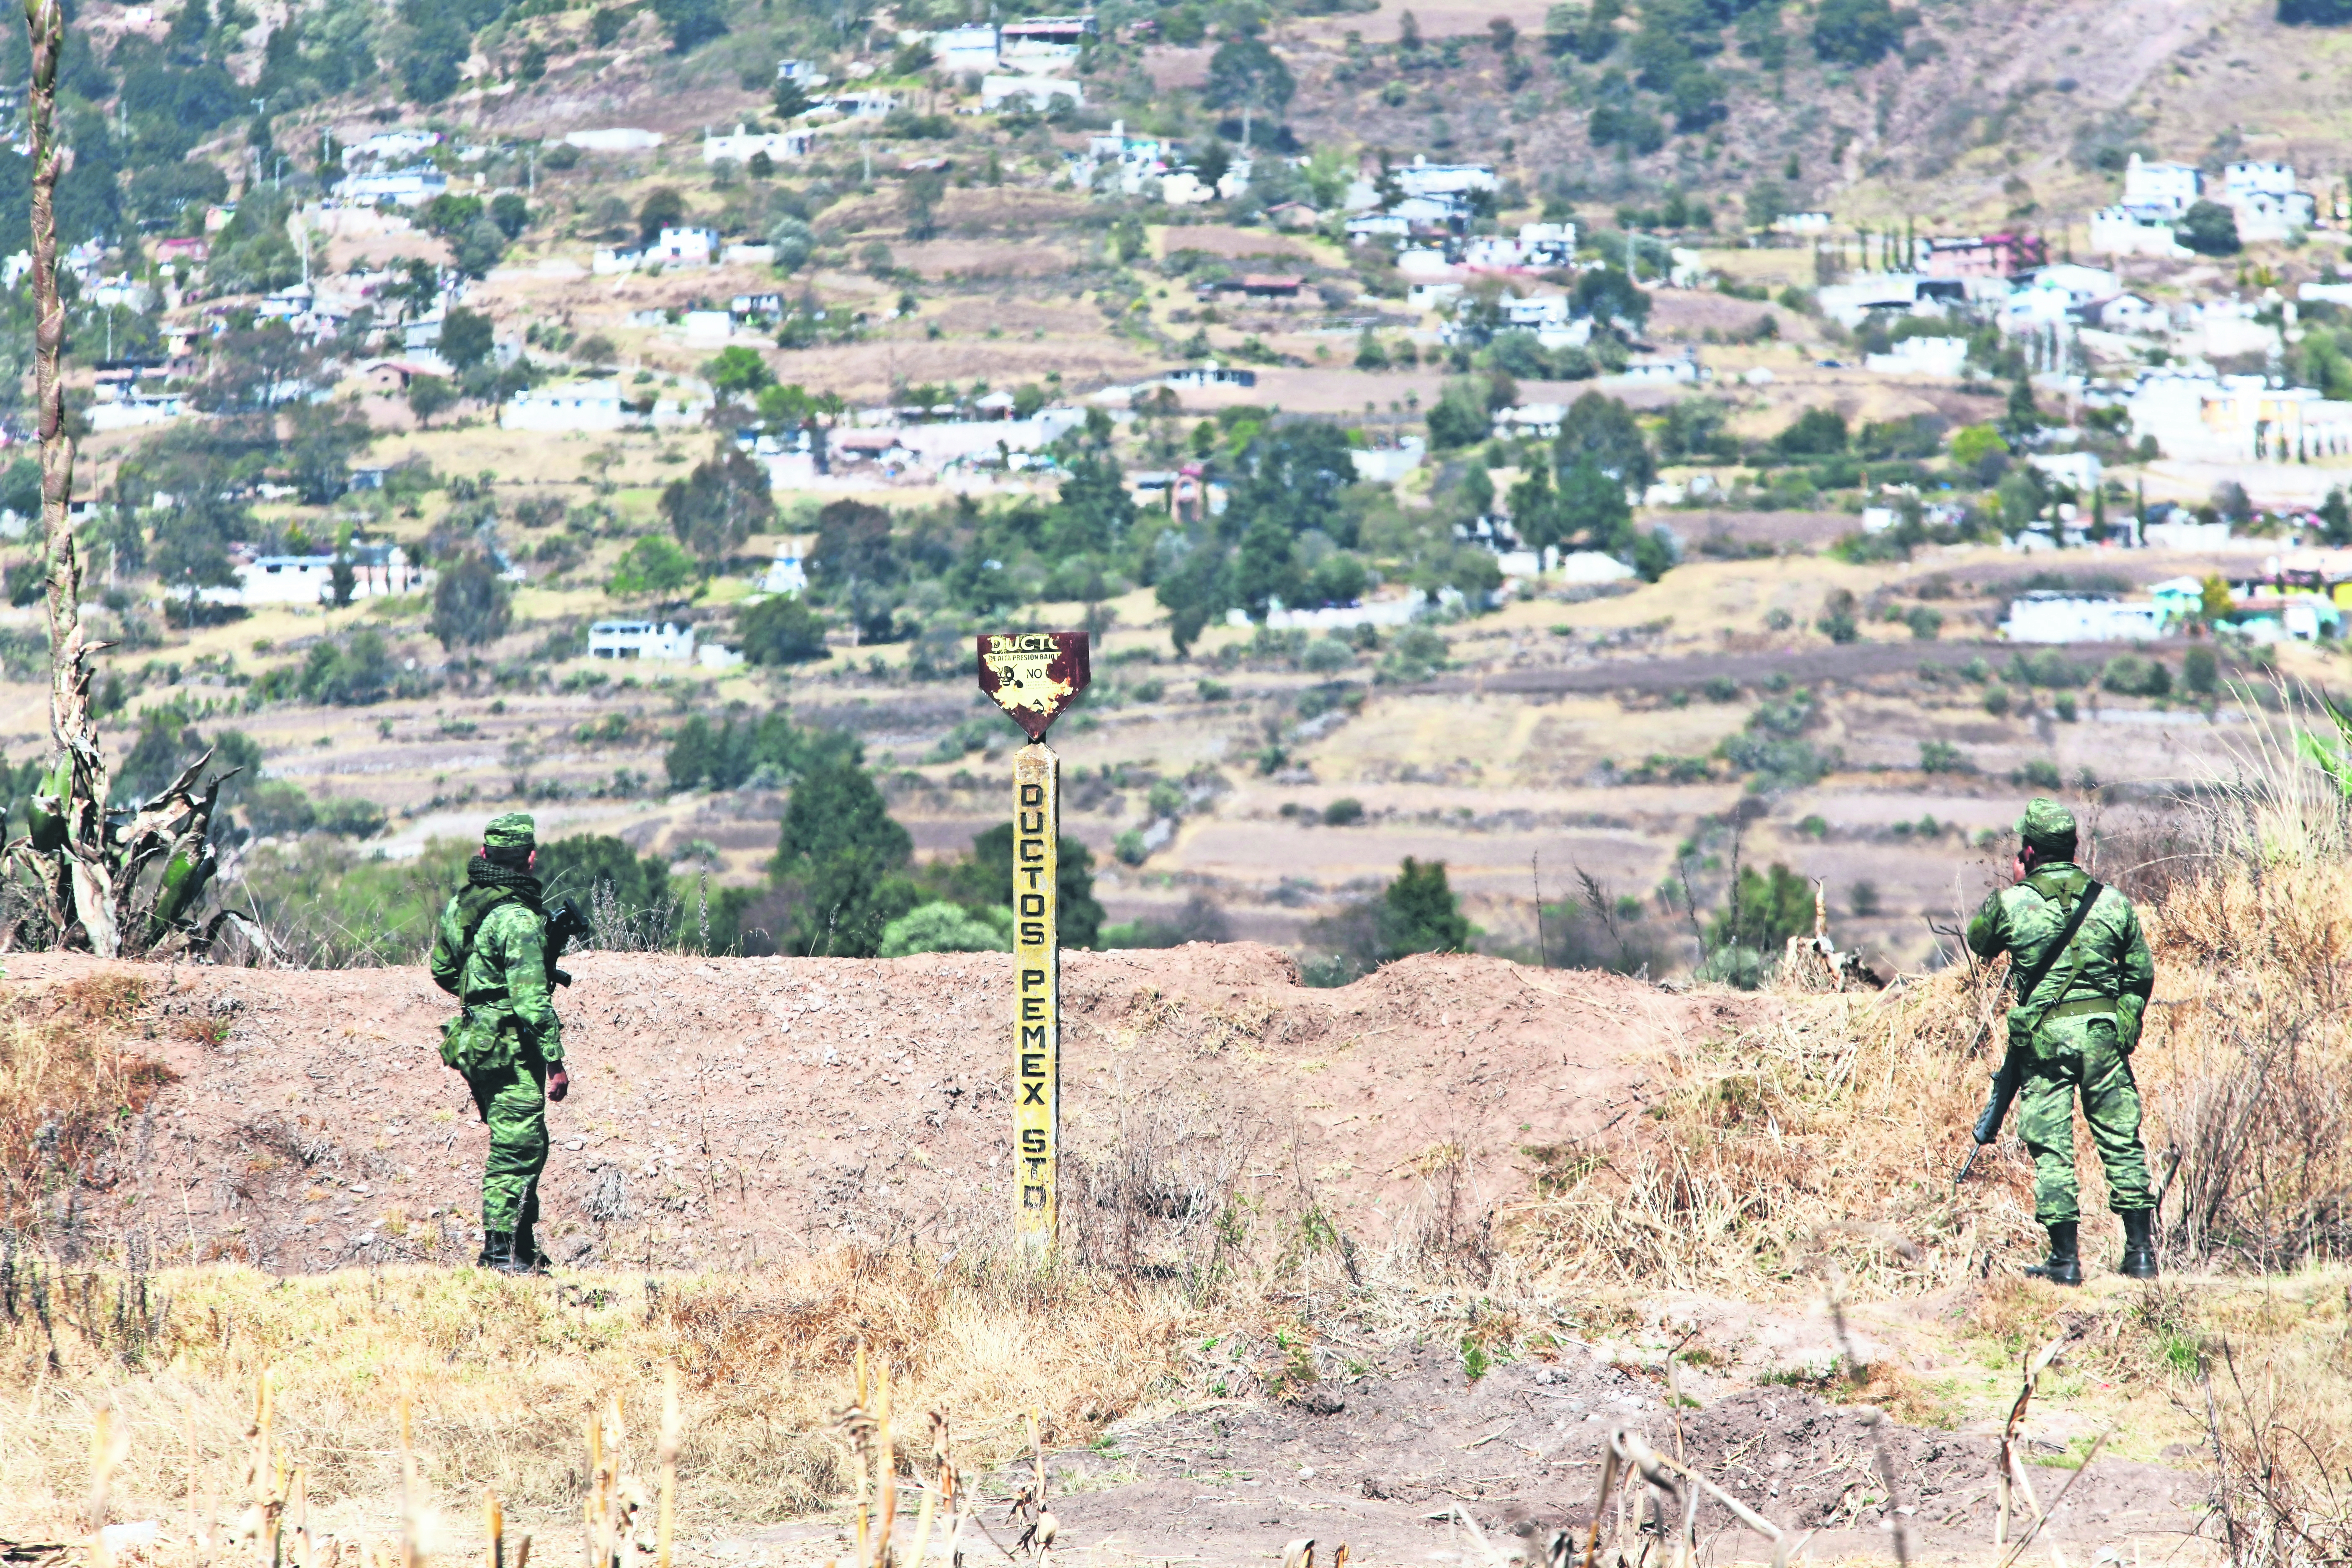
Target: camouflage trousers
<point>513,1102</point>
<point>2073,1056</point>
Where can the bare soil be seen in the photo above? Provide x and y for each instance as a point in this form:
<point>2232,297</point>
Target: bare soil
<point>1393,1460</point>
<point>730,1109</point>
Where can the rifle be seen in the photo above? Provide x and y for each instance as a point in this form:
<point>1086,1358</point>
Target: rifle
<point>2005,1082</point>
<point>565,923</point>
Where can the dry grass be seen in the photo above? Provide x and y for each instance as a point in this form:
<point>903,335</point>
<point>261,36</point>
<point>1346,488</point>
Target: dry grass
<point>500,1374</point>
<point>67,1085</point>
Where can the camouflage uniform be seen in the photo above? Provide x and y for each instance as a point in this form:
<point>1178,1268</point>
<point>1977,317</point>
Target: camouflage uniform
<point>2076,1032</point>
<point>492,954</point>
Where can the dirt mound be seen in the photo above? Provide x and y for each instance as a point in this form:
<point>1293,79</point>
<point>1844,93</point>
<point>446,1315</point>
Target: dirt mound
<point>730,1110</point>
<point>1380,1461</point>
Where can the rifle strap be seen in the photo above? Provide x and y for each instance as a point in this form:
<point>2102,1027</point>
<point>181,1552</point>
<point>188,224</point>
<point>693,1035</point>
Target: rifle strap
<point>2063,945</point>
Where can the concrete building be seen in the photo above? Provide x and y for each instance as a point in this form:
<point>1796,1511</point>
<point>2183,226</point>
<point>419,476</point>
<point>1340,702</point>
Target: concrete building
<point>778,145</point>
<point>958,50</point>
<point>615,139</point>
<point>595,405</point>
<point>1921,356</point>
<point>2169,188</point>
<point>410,187</point>
<point>1423,178</point>
<point>1038,93</point>
<point>2054,617</point>
<point>640,639</point>
<point>2134,231</point>
<point>2235,418</point>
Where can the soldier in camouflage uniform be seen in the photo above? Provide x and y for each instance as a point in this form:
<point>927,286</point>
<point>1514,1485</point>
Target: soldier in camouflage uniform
<point>2075,1033</point>
<point>492,954</point>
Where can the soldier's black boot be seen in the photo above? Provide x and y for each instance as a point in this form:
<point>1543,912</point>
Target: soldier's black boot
<point>2064,1265</point>
<point>528,1258</point>
<point>499,1252</point>
<point>2139,1246</point>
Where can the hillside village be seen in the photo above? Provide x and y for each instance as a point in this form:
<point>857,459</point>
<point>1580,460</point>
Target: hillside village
<point>788,379</point>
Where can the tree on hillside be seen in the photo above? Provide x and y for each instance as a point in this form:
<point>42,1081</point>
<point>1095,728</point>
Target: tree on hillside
<point>987,878</point>
<point>429,395</point>
<point>1857,32</point>
<point>2208,228</point>
<point>843,858</point>
<point>713,510</point>
<point>1602,430</point>
<point>470,605</point>
<point>781,630</point>
<point>626,895</point>
<point>1246,75</point>
<point>650,568</point>
<point>690,23</point>
<point>467,338</point>
<point>662,208</point>
<point>853,545</point>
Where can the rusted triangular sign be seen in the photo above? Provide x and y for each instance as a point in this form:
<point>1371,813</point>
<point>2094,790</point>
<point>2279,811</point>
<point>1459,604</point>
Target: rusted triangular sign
<point>1033,675</point>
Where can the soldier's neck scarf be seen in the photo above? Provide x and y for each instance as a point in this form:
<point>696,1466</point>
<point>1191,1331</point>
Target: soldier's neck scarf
<point>481,872</point>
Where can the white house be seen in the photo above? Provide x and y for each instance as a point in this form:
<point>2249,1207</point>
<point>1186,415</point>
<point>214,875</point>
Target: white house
<point>684,247</point>
<point>2130,313</point>
<point>1536,310</point>
<point>410,187</point>
<point>640,639</point>
<point>615,139</point>
<point>2080,284</point>
<point>778,145</point>
<point>1802,225</point>
<point>2053,617</point>
<point>1539,419</point>
<point>2079,470</point>
<point>2171,188</point>
<point>802,74</point>
<point>2264,197</point>
<point>1921,356</point>
<point>787,574</point>
<point>577,405</point>
<point>2134,231</point>
<point>1540,248</point>
<point>1423,178</point>
<point>130,409</point>
<point>960,49</point>
<point>377,570</point>
<point>385,146</point>
<point>1848,303</point>
<point>1387,464</point>
<point>2232,418</point>
<point>870,105</point>
<point>1038,91</point>
<point>705,327</point>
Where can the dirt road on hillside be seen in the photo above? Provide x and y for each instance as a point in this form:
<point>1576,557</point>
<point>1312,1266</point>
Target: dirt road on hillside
<point>727,1111</point>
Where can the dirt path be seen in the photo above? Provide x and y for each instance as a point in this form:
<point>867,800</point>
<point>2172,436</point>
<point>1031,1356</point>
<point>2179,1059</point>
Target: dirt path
<point>727,1111</point>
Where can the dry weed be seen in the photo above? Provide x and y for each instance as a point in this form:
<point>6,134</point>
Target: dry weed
<point>68,1084</point>
<point>503,1373</point>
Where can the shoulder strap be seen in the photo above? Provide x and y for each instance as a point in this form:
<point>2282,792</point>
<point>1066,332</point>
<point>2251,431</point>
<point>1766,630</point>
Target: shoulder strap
<point>470,916</point>
<point>2065,943</point>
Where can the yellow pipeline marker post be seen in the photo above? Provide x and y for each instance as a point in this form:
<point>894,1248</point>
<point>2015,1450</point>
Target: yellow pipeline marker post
<point>1033,676</point>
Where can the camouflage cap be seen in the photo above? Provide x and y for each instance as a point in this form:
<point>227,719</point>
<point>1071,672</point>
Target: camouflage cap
<point>514,830</point>
<point>2046,825</point>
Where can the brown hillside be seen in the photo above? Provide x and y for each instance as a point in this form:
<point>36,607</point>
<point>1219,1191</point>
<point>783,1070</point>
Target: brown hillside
<point>730,1110</point>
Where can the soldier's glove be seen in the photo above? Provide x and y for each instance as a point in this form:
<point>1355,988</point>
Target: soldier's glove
<point>559,1084</point>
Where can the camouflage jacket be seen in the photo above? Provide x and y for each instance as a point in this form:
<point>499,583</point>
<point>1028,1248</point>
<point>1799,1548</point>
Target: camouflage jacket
<point>2111,958</point>
<point>500,976</point>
